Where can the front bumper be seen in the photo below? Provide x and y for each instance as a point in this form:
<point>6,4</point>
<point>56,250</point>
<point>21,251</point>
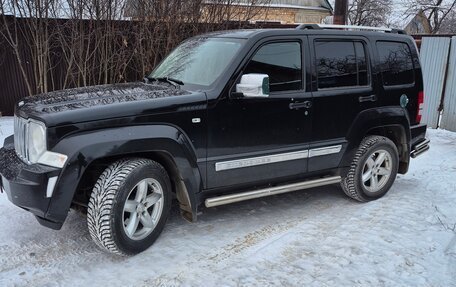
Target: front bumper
<point>26,185</point>
<point>419,142</point>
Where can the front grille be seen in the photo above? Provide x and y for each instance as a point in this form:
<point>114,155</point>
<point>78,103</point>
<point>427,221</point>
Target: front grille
<point>21,137</point>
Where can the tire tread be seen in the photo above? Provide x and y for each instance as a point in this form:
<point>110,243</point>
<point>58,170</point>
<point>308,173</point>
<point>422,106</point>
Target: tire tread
<point>348,183</point>
<point>103,198</point>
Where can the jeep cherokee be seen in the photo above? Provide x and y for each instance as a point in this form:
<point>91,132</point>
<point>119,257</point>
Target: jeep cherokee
<point>227,116</point>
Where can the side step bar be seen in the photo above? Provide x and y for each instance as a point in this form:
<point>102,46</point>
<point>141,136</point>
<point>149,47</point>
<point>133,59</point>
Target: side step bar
<point>231,198</point>
<point>420,148</point>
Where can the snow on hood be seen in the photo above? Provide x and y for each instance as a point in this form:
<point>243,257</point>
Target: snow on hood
<point>87,97</point>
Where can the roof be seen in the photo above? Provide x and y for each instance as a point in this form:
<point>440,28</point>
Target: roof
<point>252,33</point>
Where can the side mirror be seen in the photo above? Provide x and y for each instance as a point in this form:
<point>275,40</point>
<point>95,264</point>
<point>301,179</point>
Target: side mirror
<point>253,85</point>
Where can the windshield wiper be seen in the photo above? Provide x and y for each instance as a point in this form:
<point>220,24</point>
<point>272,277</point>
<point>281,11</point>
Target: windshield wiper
<point>172,81</point>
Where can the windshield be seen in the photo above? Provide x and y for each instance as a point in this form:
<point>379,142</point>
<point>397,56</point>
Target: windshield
<point>198,61</point>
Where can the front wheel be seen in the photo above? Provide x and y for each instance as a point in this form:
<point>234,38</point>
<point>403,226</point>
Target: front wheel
<point>373,169</point>
<point>129,206</point>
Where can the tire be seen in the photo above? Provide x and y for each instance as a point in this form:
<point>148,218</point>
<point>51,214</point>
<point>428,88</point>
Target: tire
<point>365,163</point>
<point>123,194</point>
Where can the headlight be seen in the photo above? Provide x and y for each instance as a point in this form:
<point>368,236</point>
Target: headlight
<point>36,144</point>
<point>30,143</point>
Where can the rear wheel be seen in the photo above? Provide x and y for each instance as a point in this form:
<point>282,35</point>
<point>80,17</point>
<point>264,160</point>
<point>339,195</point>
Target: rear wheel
<point>373,169</point>
<point>129,206</point>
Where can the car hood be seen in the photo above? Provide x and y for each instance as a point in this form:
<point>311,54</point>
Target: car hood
<point>100,102</point>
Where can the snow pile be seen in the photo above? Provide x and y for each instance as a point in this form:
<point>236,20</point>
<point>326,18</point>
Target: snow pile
<point>314,237</point>
<point>6,128</point>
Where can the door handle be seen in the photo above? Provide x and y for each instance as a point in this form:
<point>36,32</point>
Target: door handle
<point>371,98</point>
<point>300,105</point>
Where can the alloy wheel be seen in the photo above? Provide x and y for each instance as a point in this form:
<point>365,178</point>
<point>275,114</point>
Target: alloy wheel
<point>142,209</point>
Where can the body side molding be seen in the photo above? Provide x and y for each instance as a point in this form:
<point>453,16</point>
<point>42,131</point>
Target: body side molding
<point>268,159</point>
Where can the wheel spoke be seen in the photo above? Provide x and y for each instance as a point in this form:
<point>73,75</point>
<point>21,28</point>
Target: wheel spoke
<point>146,220</point>
<point>132,224</point>
<point>380,158</point>
<point>370,163</point>
<point>141,191</point>
<point>152,199</point>
<point>374,182</point>
<point>367,175</point>
<point>383,171</point>
<point>130,206</point>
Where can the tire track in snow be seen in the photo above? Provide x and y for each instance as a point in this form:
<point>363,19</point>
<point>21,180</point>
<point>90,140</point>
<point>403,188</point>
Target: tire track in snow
<point>262,236</point>
<point>248,244</point>
<point>242,245</point>
<point>67,249</point>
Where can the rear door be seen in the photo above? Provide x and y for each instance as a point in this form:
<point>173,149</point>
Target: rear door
<point>342,87</point>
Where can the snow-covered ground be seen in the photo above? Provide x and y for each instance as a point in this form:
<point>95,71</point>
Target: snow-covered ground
<point>6,128</point>
<point>314,237</point>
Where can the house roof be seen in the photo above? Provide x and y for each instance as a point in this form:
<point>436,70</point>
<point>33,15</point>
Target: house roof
<point>296,4</point>
<point>419,24</point>
<point>299,4</point>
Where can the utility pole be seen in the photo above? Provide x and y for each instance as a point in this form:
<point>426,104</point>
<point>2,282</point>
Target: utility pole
<point>340,12</point>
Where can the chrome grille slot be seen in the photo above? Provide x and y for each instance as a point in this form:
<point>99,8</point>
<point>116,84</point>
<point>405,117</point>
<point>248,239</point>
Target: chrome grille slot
<point>20,137</point>
<point>16,140</point>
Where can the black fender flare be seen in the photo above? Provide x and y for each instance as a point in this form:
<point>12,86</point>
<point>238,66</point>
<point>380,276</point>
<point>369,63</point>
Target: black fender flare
<point>376,118</point>
<point>85,147</point>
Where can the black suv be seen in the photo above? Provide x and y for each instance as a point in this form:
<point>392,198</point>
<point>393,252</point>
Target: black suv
<point>226,117</point>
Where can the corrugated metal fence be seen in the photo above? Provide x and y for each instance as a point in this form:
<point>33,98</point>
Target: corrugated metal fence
<point>438,60</point>
<point>449,104</point>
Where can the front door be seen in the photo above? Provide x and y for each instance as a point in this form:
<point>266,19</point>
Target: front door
<point>254,140</point>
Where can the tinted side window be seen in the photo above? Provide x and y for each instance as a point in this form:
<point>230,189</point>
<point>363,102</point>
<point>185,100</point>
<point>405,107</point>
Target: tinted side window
<point>282,62</point>
<point>395,63</point>
<point>341,64</point>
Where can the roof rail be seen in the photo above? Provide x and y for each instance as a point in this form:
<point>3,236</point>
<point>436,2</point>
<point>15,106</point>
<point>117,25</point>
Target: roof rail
<point>349,27</point>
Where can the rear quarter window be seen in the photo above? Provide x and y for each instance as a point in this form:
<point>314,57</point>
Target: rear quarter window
<point>396,63</point>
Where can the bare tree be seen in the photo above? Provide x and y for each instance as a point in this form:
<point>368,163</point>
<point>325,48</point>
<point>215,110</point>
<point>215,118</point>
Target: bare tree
<point>72,43</point>
<point>30,37</point>
<point>448,24</point>
<point>436,11</point>
<point>369,12</point>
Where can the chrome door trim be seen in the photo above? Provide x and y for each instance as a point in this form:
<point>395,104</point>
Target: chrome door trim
<point>260,160</point>
<point>325,150</point>
<point>281,157</point>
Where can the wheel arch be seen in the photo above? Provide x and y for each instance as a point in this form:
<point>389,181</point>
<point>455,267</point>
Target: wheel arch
<point>97,149</point>
<point>391,122</point>
<point>396,133</point>
<point>179,188</point>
